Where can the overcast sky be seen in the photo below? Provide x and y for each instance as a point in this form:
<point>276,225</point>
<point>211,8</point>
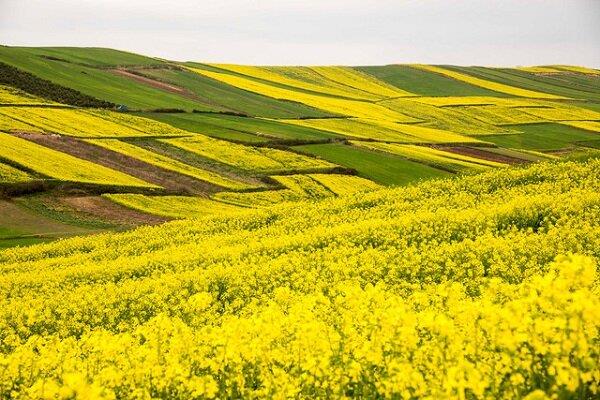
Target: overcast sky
<point>351,32</point>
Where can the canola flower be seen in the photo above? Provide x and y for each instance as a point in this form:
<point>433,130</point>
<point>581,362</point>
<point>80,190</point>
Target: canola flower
<point>255,159</point>
<point>592,126</point>
<point>82,123</point>
<point>168,163</point>
<point>485,286</point>
<point>334,81</point>
<point>9,174</point>
<point>172,206</point>
<point>574,68</point>
<point>10,95</point>
<point>57,165</point>
<point>299,187</point>
<point>336,105</point>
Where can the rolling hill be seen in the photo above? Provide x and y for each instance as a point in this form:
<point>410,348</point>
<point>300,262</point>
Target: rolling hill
<point>233,231</point>
<point>129,139</point>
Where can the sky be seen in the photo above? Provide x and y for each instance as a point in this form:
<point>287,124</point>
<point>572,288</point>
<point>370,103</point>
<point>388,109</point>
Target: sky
<point>325,32</point>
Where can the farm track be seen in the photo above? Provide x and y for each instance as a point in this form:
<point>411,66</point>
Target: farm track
<point>172,182</point>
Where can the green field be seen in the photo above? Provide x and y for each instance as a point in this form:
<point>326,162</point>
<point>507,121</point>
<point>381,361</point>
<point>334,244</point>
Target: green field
<point>233,132</point>
<point>90,56</point>
<point>425,83</point>
<point>190,230</point>
<point>380,167</point>
<point>96,82</point>
<point>229,98</point>
<point>240,128</point>
<point>25,222</point>
<point>543,137</point>
<point>575,86</point>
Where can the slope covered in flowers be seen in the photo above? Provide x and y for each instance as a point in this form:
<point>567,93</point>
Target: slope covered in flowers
<point>480,287</point>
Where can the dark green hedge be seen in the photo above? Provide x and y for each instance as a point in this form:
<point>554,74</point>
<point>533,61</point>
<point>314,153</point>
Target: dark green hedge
<point>30,83</point>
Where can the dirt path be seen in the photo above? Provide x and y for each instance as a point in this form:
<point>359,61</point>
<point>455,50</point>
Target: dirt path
<point>482,154</point>
<point>173,182</point>
<point>109,211</point>
<point>155,84</point>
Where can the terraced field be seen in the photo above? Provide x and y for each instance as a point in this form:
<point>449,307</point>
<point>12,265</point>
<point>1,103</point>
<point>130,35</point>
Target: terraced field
<point>154,139</point>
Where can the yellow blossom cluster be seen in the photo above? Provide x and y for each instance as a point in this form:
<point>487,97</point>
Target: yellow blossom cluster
<point>485,286</point>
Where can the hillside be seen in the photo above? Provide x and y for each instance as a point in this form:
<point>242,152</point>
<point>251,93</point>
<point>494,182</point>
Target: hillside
<point>483,286</point>
<point>130,140</point>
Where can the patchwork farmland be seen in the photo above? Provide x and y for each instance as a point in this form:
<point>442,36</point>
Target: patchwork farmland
<point>186,230</point>
<point>86,133</point>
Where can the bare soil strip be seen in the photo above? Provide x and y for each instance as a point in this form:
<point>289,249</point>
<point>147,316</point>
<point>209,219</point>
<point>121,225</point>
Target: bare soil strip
<point>482,154</point>
<point>173,182</point>
<point>31,223</point>
<point>155,83</point>
<point>109,211</point>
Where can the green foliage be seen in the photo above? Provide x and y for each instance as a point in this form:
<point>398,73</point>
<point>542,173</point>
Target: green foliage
<point>425,83</point>
<point>387,169</point>
<point>545,136</point>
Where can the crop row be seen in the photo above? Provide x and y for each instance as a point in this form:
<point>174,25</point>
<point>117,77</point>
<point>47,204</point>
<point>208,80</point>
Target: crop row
<point>57,165</point>
<point>256,159</point>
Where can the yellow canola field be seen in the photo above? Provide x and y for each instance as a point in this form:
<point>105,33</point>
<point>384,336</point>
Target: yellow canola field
<point>10,95</point>
<point>450,101</point>
<point>339,106</point>
<point>253,159</point>
<point>66,121</point>
<point>578,69</point>
<point>343,185</point>
<point>540,70</point>
<point>383,130</point>
<point>497,87</point>
<point>8,124</point>
<point>562,113</point>
<point>482,287</point>
<point>262,199</point>
<point>148,126</point>
<point>501,115</point>
<point>168,163</point>
<point>435,157</point>
<point>304,185</point>
<point>333,81</point>
<point>82,123</point>
<point>296,78</point>
<point>446,118</point>
<point>57,165</point>
<point>300,187</point>
<point>173,206</point>
<point>9,174</point>
<point>592,126</point>
<point>350,77</point>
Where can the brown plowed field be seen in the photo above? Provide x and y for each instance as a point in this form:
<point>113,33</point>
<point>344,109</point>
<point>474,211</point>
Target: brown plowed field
<point>154,83</point>
<point>482,154</point>
<point>109,211</point>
